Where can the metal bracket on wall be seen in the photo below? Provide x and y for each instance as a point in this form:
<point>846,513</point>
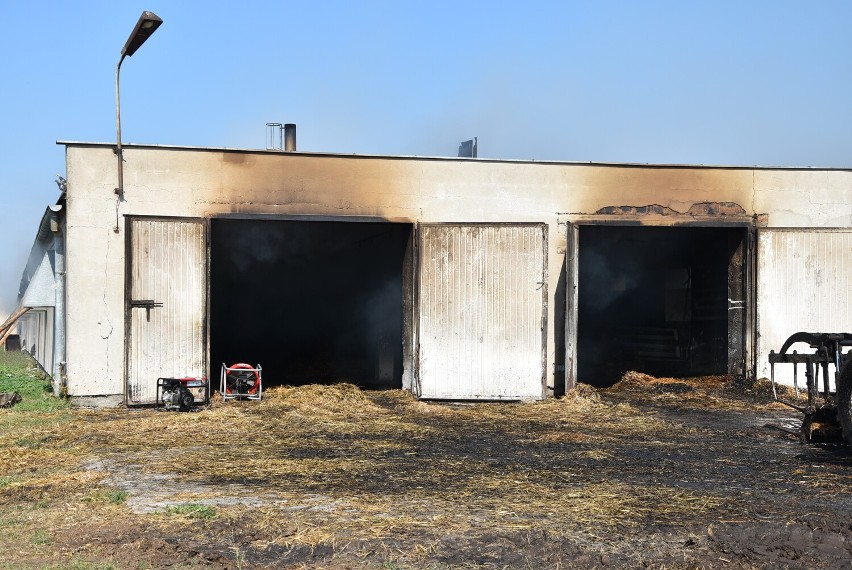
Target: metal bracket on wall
<point>146,304</point>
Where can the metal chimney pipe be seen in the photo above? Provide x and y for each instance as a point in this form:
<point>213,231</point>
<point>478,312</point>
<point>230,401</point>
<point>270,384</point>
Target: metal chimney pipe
<point>290,137</point>
<point>273,129</point>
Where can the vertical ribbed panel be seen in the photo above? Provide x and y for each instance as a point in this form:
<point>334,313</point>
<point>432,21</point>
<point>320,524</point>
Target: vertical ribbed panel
<point>804,278</point>
<point>48,337</point>
<point>37,336</point>
<point>482,311</point>
<point>167,266</point>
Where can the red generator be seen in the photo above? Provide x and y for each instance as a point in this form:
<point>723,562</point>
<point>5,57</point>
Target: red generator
<point>182,394</point>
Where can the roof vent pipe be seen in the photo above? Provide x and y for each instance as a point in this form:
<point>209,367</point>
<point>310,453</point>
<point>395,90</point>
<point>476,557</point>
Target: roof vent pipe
<point>290,137</point>
<point>273,136</point>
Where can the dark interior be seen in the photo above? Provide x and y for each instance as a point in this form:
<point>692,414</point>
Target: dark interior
<point>310,301</point>
<point>654,300</point>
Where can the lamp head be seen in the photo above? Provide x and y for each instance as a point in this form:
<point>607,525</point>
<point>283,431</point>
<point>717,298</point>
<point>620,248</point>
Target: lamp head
<point>147,25</point>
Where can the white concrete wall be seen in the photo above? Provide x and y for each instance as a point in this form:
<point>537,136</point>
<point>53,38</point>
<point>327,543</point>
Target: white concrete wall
<point>206,183</point>
<point>805,278</point>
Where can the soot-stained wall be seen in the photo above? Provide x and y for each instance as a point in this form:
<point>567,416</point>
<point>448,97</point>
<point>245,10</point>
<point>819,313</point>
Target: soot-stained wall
<point>653,299</point>
<point>208,183</point>
<point>309,301</point>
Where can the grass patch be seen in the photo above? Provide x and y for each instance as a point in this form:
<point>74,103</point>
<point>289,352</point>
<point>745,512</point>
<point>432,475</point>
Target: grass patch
<point>40,538</point>
<point>32,442</point>
<point>18,373</point>
<point>6,481</point>
<point>117,496</point>
<point>192,510</point>
<point>111,496</point>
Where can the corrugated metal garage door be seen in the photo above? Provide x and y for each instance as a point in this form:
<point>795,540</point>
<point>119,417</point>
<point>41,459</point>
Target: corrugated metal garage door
<point>483,293</point>
<point>167,304</point>
<point>804,278</point>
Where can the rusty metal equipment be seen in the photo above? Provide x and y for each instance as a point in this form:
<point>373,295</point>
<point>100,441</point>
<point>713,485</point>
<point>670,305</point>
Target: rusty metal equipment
<point>828,415</point>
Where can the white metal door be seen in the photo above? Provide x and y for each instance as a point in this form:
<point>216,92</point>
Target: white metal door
<point>803,281</point>
<point>482,311</point>
<point>166,305</point>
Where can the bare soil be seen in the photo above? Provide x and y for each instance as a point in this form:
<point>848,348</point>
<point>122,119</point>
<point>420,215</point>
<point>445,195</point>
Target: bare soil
<point>652,473</point>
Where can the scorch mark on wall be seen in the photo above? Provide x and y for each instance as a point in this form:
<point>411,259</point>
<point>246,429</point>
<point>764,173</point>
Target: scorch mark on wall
<point>698,209</point>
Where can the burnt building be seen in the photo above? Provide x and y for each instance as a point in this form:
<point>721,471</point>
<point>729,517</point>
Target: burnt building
<point>454,278</point>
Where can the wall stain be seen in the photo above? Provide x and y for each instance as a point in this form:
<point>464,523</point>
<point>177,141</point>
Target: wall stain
<point>698,209</point>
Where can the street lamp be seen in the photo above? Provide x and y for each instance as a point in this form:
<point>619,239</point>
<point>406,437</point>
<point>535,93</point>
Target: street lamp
<point>147,25</point>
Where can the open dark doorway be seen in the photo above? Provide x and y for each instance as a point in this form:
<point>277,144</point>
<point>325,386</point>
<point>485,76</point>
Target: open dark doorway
<point>310,301</point>
<point>656,300</point>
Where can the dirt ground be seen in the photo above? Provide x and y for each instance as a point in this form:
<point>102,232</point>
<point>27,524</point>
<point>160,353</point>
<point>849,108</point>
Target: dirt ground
<point>652,473</point>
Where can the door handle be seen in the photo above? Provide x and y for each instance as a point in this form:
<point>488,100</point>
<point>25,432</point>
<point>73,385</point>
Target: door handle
<point>146,304</point>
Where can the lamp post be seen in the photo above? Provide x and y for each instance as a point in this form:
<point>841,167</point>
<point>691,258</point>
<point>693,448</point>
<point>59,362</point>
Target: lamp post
<point>147,25</point>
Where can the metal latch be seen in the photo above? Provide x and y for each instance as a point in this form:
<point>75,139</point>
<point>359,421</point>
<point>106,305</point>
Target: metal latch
<point>147,304</point>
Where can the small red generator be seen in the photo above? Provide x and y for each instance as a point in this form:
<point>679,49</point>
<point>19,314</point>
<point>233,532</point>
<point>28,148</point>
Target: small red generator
<point>182,394</point>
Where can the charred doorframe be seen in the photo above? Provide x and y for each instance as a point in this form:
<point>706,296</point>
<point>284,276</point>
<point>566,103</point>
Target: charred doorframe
<point>411,313</point>
<point>741,284</point>
<point>410,294</point>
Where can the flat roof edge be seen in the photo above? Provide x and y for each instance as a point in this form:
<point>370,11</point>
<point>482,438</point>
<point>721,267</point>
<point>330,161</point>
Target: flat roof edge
<point>452,158</point>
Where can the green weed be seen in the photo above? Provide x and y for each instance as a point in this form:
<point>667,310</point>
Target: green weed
<point>32,443</point>
<point>41,537</point>
<point>192,510</point>
<point>117,496</point>
<point>112,496</point>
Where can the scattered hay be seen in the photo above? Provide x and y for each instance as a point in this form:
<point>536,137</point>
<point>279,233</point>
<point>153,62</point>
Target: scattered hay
<point>619,505</point>
<point>638,382</point>
<point>716,392</point>
<point>596,454</point>
<point>762,389</point>
<point>363,452</point>
<point>316,396</point>
<point>582,392</point>
<point>332,464</point>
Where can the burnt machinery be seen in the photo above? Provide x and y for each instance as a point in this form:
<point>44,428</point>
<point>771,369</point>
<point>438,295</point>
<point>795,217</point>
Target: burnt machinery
<point>828,415</point>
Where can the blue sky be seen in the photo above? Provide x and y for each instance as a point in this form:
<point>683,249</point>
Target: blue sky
<point>715,82</point>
